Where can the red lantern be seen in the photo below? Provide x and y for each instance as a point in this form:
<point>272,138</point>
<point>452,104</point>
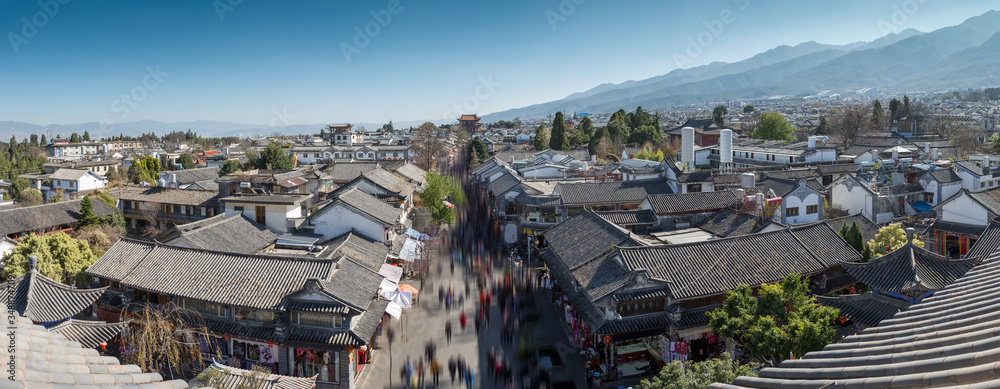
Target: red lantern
<point>842,320</point>
<point>104,346</point>
<point>225,336</point>
<point>270,343</point>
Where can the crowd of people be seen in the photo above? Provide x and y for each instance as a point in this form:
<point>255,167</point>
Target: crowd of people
<point>501,284</point>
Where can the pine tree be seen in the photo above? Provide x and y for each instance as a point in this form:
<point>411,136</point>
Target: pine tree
<point>878,115</point>
<point>558,139</point>
<point>87,217</point>
<point>86,136</point>
<point>719,115</point>
<point>541,138</point>
<point>907,113</point>
<point>44,142</point>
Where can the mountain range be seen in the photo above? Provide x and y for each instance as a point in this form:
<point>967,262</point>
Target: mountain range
<point>962,56</point>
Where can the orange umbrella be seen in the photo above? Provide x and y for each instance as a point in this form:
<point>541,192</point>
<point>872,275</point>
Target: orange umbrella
<point>408,288</point>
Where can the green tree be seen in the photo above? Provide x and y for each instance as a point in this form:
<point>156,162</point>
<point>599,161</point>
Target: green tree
<point>478,148</point>
<point>165,338</point>
<point>60,258</point>
<point>273,157</point>
<point>558,139</point>
<point>29,197</point>
<point>86,136</point>
<point>186,161</point>
<point>43,142</point>
<point>584,132</point>
<point>773,126</point>
<point>645,134</point>
<point>619,127</point>
<point>437,189</point>
<point>888,238</point>
<point>719,115</point>
<point>387,128</point>
<point>144,169</point>
<point>895,109</point>
<point>74,138</point>
<point>601,133</point>
<point>784,317</point>
<point>878,115</point>
<point>34,139</point>
<point>86,217</point>
<point>229,167</point>
<point>541,141</point>
<point>649,155</point>
<point>907,112</point>
<point>823,127</point>
<point>698,375</point>
<point>852,235</point>
<point>748,108</point>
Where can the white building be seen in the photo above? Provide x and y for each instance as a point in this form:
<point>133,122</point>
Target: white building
<point>73,183</point>
<point>361,212</point>
<point>279,212</point>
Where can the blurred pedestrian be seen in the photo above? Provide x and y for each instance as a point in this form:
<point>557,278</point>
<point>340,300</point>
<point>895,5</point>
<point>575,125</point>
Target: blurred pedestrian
<point>447,330</point>
<point>462,319</point>
<point>420,373</point>
<point>436,371</point>
<point>468,378</point>
<point>451,369</point>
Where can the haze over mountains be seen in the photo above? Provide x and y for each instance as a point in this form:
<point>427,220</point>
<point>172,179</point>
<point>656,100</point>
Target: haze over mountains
<point>962,56</point>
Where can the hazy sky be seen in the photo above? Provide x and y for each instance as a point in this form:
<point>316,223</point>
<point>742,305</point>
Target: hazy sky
<point>304,61</point>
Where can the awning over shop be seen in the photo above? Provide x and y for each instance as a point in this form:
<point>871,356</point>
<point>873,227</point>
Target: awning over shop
<point>411,250</point>
<point>391,272</point>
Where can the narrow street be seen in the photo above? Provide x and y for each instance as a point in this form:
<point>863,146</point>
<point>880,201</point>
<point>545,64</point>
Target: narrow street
<point>562,366</point>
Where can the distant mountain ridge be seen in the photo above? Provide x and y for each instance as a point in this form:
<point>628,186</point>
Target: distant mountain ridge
<point>961,56</point>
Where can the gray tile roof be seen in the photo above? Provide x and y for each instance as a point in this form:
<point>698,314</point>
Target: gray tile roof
<point>945,176</point>
<point>194,175</point>
<point>411,172</point>
<point>990,199</point>
<point>252,281</point>
<point>366,204</point>
<point>237,378</point>
<point>160,195</point>
<point>692,202</point>
<point>46,359</point>
<point>504,183</point>
<point>973,168</point>
<point>958,228</point>
<point>236,234</point>
<point>713,267</point>
<point>629,218</point>
<point>825,243</point>
<point>988,242</point>
<point>868,228</point>
<point>582,238</point>
<point>344,172</point>
<point>909,267</point>
<point>90,334</point>
<point>610,192</point>
<point>867,309</point>
<point>356,247</point>
<point>840,168</point>
<point>68,174</point>
<point>729,223</point>
<point>948,340</point>
<point>42,299</point>
<point>353,284</point>
<point>19,220</point>
<point>390,182</point>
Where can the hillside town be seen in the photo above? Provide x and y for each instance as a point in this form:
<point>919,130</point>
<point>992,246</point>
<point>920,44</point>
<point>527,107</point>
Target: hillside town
<point>313,261</point>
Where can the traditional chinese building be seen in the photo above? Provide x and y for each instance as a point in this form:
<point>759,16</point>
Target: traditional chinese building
<point>469,123</point>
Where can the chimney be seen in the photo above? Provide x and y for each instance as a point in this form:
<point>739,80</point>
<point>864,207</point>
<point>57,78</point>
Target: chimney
<point>33,263</point>
<point>927,147</point>
<point>909,235</point>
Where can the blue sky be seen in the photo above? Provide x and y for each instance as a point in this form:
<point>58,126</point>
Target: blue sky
<point>242,61</point>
